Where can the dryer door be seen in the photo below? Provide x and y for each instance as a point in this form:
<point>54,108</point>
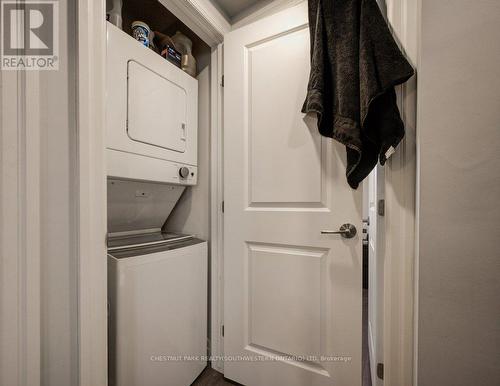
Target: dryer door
<point>156,109</point>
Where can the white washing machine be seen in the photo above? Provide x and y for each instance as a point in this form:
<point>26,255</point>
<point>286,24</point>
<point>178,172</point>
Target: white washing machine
<point>151,116</point>
<point>158,312</point>
<point>157,290</point>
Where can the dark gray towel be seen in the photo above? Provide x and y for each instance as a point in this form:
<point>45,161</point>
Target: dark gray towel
<point>355,64</point>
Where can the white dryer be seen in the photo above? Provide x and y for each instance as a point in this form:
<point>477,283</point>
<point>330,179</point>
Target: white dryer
<point>152,114</point>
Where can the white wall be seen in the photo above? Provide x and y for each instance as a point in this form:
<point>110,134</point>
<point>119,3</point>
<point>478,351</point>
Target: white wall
<point>191,215</point>
<point>38,232</point>
<point>459,228</point>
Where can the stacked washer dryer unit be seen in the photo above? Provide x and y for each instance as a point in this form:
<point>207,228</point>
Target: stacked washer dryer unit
<point>157,282</point>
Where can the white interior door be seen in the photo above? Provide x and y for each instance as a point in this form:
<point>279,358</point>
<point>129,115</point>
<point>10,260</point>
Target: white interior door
<point>292,296</point>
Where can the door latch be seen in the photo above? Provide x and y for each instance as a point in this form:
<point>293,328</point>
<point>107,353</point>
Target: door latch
<point>381,207</point>
<point>380,370</point>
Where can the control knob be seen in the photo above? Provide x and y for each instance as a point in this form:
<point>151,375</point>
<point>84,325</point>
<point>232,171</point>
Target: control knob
<point>184,172</point>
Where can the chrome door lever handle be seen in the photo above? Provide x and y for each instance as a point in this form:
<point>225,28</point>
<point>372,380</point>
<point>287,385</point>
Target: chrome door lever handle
<point>347,231</point>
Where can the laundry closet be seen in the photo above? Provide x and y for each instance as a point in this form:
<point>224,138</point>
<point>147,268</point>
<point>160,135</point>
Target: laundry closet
<point>157,160</point>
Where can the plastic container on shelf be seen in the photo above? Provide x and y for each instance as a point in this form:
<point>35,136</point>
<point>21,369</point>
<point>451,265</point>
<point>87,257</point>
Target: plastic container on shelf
<point>141,32</point>
<point>167,48</point>
<point>185,46</point>
<point>114,12</point>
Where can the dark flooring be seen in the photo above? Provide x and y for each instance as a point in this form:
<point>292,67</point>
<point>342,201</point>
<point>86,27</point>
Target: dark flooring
<point>366,377</point>
<point>210,377</point>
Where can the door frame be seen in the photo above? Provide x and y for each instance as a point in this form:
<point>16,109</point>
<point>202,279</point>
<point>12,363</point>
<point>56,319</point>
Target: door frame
<point>375,185</point>
<point>20,227</point>
<point>91,192</point>
<point>400,308</point>
<point>400,259</point>
<point>216,210</point>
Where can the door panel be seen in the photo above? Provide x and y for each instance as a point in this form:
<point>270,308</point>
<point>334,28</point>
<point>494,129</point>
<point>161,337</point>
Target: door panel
<point>295,176</point>
<point>292,310</point>
<point>156,112</point>
<point>291,307</point>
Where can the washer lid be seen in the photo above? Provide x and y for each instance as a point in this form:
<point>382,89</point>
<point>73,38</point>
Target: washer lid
<point>149,249</point>
<point>136,205</point>
<point>118,242</point>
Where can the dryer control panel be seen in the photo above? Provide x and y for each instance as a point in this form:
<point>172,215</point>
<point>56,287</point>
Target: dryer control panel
<point>136,167</point>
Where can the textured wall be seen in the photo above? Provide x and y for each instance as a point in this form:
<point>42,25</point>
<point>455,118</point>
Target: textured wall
<point>459,144</point>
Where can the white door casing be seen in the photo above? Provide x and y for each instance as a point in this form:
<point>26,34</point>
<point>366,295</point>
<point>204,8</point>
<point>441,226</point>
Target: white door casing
<point>376,238</point>
<point>291,294</point>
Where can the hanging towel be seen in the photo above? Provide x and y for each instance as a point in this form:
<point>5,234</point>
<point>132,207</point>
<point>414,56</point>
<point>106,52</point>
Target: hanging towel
<point>355,64</point>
